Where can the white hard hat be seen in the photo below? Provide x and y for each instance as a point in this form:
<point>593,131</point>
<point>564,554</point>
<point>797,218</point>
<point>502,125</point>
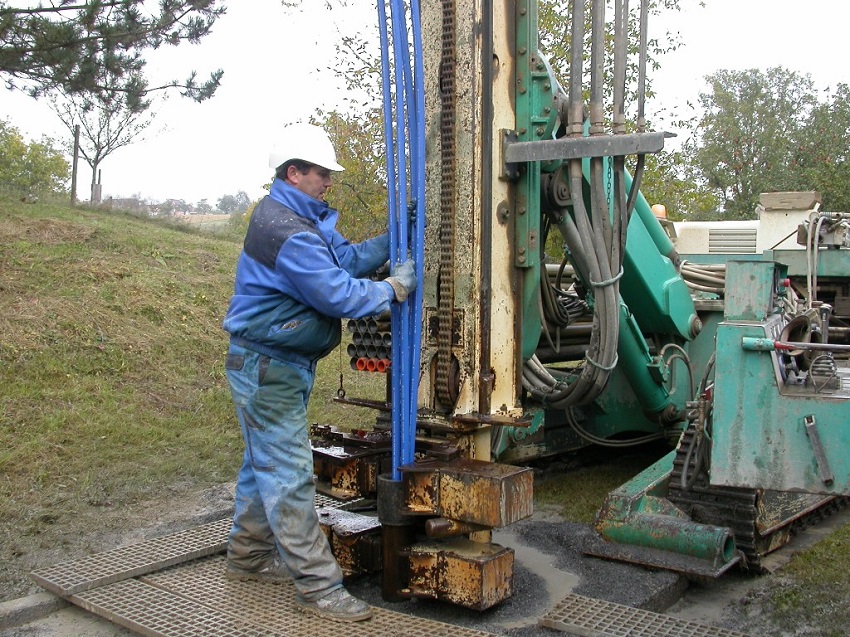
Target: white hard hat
<point>305,142</point>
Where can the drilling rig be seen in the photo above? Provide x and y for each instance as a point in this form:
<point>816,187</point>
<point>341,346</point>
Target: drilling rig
<point>555,313</point>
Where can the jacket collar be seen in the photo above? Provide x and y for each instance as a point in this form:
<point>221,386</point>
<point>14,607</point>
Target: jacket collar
<point>303,205</point>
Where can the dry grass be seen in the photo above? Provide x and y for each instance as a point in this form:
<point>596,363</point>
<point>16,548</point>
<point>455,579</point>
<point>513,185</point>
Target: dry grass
<point>111,363</point>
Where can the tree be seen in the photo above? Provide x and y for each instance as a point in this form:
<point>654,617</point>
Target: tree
<point>821,158</point>
<point>232,204</point>
<point>32,168</point>
<point>747,136</point>
<point>669,180</point>
<point>554,19</point>
<point>95,47</point>
<point>361,191</point>
<point>105,126</point>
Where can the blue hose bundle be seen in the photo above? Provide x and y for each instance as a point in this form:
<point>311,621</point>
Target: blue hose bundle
<point>404,130</point>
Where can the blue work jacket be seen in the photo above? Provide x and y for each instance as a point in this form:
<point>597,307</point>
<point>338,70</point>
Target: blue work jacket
<point>297,277</point>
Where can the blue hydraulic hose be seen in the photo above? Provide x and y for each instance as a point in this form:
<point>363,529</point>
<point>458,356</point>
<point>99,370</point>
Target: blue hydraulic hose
<point>404,129</point>
<point>401,401</point>
<point>405,123</point>
<point>391,179</point>
<point>418,178</point>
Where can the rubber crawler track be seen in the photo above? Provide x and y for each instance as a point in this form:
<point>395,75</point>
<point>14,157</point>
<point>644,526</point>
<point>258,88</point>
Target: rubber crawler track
<point>737,509</point>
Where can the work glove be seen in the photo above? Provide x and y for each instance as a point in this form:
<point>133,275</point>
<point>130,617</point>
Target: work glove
<point>403,280</point>
<point>411,211</point>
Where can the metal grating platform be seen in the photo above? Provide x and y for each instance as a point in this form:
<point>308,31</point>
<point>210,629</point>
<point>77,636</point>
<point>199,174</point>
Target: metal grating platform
<point>590,617</point>
<point>123,563</point>
<point>137,559</point>
<point>175,586</point>
<point>155,612</point>
<point>273,606</point>
<point>327,502</point>
<point>198,600</point>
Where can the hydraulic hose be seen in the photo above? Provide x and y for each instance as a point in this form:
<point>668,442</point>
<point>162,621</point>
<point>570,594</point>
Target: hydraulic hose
<point>404,131</point>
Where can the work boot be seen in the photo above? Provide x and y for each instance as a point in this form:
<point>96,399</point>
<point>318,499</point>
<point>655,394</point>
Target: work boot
<point>275,572</point>
<point>338,605</point>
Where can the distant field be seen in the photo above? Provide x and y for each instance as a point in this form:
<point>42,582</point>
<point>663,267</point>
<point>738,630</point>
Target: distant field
<point>204,219</point>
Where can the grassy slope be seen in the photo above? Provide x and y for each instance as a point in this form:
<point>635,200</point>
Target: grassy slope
<point>110,359</point>
<point>111,363</point>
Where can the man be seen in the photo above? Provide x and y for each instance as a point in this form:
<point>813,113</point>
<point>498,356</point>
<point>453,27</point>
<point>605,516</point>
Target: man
<point>295,278</point>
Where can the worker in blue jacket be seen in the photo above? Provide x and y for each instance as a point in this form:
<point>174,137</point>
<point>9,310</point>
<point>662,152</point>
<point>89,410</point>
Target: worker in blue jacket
<point>295,279</point>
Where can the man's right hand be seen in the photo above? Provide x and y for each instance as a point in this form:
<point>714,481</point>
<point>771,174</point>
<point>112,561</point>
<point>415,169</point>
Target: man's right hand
<point>403,279</point>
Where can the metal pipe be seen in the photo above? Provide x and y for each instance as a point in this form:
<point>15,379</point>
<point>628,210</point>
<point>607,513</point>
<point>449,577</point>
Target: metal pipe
<point>634,188</point>
<point>576,114</point>
<point>642,56</point>
<point>819,347</point>
<point>621,17</point>
<point>485,373</point>
<point>438,528</point>
<point>553,269</point>
<point>597,65</point>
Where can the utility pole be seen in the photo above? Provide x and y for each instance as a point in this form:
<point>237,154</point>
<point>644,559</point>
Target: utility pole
<point>74,169</point>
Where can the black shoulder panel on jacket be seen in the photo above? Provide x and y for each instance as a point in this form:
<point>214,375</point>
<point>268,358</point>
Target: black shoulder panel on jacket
<point>271,225</point>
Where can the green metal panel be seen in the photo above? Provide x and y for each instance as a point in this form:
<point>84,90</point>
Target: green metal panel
<point>831,263</point>
<point>634,359</point>
<point>752,287</point>
<point>641,525</point>
<point>534,121</point>
<point>651,286</point>
<point>769,431</point>
<point>835,263</point>
<point>760,436</point>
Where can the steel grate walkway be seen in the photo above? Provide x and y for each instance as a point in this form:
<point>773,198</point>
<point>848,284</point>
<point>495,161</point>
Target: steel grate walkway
<point>590,617</point>
<point>137,559</point>
<point>198,600</point>
<point>175,586</point>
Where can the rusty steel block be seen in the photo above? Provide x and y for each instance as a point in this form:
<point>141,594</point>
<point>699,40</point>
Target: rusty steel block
<point>462,572</point>
<point>421,488</point>
<point>473,491</point>
<point>348,473</point>
<point>355,540</point>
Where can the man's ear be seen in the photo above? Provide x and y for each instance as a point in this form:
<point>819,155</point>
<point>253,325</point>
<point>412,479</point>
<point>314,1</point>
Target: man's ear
<point>293,175</point>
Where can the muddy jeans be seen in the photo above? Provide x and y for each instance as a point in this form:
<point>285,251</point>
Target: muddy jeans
<point>274,491</point>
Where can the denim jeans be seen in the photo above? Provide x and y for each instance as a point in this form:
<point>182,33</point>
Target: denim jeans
<point>274,492</point>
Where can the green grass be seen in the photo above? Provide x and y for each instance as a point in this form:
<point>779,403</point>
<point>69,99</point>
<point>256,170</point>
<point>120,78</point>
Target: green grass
<point>814,588</point>
<point>111,362</point>
<point>580,490</point>
<point>110,358</point>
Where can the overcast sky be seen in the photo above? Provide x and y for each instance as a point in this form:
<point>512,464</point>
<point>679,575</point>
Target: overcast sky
<point>274,72</point>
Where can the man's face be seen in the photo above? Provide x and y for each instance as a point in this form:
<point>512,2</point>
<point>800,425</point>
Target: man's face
<point>314,182</point>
